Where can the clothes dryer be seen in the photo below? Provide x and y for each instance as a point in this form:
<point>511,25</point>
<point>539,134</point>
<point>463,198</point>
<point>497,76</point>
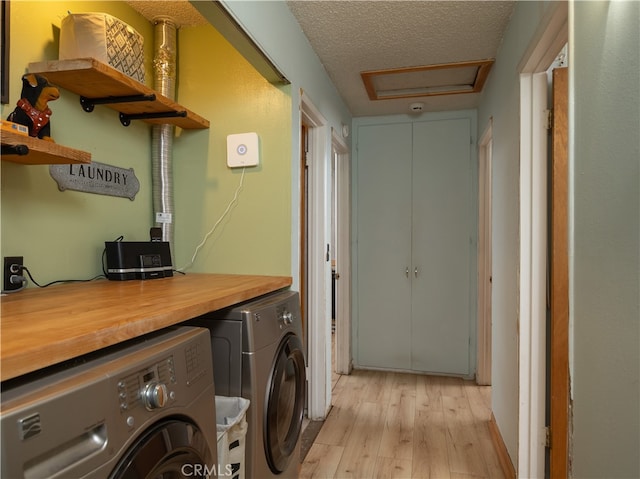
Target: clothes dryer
<point>258,354</point>
<point>141,409</point>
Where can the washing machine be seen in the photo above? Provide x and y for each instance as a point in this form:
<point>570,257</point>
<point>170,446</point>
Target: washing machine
<point>141,409</point>
<point>258,354</point>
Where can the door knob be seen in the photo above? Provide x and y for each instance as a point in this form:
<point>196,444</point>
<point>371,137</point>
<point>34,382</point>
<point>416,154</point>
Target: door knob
<point>415,272</point>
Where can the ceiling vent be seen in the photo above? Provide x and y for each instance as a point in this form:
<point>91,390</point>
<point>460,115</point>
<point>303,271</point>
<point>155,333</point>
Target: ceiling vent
<point>428,80</point>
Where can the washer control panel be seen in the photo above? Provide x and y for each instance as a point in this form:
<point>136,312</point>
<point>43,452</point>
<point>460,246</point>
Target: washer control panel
<point>148,387</point>
<point>169,380</point>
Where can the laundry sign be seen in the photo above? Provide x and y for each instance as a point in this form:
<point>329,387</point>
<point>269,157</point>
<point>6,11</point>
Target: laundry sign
<point>98,178</point>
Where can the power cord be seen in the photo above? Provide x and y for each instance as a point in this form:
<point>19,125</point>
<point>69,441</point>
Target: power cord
<point>19,278</point>
<point>226,211</point>
<point>24,268</point>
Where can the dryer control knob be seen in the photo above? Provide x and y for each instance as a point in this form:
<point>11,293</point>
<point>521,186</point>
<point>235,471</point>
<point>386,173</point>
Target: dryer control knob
<point>154,396</point>
<point>287,317</point>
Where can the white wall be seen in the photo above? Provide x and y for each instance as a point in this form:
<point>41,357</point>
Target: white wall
<point>604,248</point>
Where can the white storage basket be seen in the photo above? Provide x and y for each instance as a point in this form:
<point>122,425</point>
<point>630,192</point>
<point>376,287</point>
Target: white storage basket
<point>105,38</point>
<point>232,426</point>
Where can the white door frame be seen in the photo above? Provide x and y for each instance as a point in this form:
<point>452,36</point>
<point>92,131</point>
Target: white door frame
<point>545,46</point>
<point>533,248</point>
<point>483,368</point>
<point>319,266</point>
<point>342,187</point>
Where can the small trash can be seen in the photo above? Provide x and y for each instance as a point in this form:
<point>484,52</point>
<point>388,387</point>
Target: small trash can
<point>231,424</point>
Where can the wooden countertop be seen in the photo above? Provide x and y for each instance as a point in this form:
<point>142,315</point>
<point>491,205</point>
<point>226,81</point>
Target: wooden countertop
<point>42,327</point>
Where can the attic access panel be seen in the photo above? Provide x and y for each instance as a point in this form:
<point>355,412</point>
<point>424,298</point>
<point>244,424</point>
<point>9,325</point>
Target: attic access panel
<point>428,80</point>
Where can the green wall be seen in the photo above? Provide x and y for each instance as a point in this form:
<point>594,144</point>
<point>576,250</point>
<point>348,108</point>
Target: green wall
<point>61,234</point>
<point>605,244</point>
<point>255,237</point>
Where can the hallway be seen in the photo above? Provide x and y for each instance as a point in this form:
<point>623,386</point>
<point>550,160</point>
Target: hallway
<point>396,425</point>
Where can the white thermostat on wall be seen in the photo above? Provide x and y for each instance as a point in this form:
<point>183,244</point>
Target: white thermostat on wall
<point>243,149</point>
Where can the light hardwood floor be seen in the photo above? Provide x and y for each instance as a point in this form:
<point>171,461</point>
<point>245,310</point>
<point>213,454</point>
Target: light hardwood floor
<point>395,425</point>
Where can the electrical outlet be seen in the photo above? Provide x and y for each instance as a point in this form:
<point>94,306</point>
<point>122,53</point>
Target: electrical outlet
<point>12,267</point>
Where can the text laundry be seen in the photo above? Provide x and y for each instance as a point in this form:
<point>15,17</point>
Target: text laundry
<point>100,174</point>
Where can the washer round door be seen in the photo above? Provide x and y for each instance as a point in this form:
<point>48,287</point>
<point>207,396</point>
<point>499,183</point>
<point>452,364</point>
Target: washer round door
<point>171,449</point>
<point>285,404</point>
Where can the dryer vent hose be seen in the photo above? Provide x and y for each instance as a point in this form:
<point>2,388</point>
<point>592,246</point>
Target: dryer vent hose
<point>164,66</point>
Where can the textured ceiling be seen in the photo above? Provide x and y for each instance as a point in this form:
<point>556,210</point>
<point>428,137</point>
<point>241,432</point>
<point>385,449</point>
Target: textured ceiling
<point>354,36</point>
<point>180,11</point>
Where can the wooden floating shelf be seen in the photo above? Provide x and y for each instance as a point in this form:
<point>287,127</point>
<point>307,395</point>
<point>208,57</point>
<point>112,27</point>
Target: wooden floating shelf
<point>92,79</point>
<point>42,152</point>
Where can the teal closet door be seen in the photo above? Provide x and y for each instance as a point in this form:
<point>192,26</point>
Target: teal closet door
<point>442,236</point>
<point>415,221</point>
<point>383,333</point>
